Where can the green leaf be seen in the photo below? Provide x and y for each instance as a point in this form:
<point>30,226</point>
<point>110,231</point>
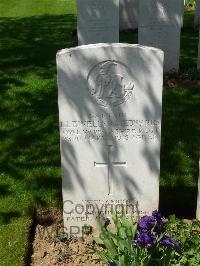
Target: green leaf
<point>98,240</point>
<point>122,232</point>
<point>110,245</point>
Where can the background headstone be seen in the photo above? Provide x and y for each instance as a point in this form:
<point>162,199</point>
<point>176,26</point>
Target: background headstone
<point>198,198</point>
<point>128,14</point>
<point>197,15</point>
<point>160,24</point>
<point>110,128</point>
<point>97,21</point>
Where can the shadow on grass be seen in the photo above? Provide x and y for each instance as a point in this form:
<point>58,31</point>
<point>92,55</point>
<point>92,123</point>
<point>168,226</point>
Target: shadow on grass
<point>180,136</point>
<point>29,114</point>
<point>7,217</point>
<point>180,151</point>
<point>188,22</point>
<point>4,190</point>
<point>178,200</point>
<point>189,42</point>
<point>129,36</point>
<point>29,43</point>
<point>189,49</point>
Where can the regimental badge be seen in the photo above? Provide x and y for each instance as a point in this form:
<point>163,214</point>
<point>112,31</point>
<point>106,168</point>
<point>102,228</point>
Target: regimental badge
<point>110,83</point>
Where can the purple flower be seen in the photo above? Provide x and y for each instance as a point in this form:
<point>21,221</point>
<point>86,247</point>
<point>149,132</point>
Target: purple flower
<point>145,239</point>
<point>168,242</point>
<point>158,217</point>
<point>146,223</point>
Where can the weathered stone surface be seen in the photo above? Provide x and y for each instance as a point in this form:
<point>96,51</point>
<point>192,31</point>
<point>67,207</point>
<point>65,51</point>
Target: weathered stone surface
<point>97,21</point>
<point>110,101</point>
<point>160,24</point>
<point>128,14</point>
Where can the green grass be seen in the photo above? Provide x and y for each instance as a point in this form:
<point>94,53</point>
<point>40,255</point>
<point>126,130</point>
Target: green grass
<point>189,42</point>
<point>31,32</point>
<point>24,8</point>
<point>189,20</point>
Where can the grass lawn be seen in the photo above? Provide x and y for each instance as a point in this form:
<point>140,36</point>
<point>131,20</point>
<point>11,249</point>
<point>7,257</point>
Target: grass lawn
<point>31,32</point>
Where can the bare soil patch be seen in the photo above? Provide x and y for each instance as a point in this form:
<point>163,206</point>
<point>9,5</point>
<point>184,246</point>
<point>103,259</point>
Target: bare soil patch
<point>51,247</point>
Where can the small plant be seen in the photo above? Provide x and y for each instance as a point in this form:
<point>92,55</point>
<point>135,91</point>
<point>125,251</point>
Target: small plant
<point>152,235</point>
<point>190,3</point>
<point>140,242</point>
<point>188,234</point>
<point>117,248</point>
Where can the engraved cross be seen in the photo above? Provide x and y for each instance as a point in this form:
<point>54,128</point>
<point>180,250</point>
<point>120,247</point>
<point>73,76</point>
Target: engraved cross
<point>109,164</point>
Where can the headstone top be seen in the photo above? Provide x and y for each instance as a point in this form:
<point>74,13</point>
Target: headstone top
<point>110,45</point>
<point>160,24</point>
<point>161,12</point>
<point>97,21</point>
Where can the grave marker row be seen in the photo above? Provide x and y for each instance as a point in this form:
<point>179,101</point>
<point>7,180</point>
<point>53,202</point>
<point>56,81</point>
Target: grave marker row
<point>159,24</point>
<point>110,107</point>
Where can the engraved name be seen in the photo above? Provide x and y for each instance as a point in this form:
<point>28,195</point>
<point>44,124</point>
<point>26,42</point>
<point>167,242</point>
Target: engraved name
<point>98,128</point>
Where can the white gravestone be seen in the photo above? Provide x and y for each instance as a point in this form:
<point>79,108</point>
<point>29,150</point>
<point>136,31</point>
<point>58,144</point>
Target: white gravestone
<point>197,14</point>
<point>198,198</point>
<point>97,21</point>
<point>160,24</point>
<point>110,101</point>
<point>128,14</point>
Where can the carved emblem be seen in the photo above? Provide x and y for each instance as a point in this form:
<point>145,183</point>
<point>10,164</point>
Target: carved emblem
<point>110,83</point>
